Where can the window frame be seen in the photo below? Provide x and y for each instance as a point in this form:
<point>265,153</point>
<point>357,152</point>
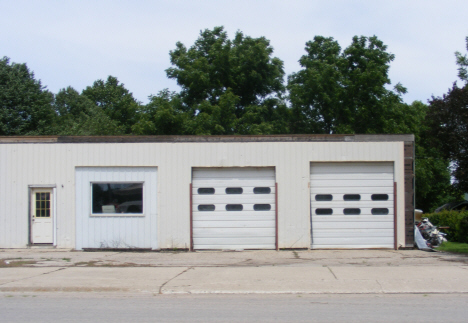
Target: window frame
<point>143,195</point>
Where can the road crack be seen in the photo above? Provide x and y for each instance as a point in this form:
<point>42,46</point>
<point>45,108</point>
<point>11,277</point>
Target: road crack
<point>332,272</point>
<point>17,280</point>
<point>183,272</point>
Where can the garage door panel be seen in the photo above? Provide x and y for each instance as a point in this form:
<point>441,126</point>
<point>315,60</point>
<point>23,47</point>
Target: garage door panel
<point>382,241</point>
<point>233,224</point>
<point>339,233</point>
<point>230,241</point>
<point>220,183</point>
<point>337,219</point>
<point>353,177</point>
<point>235,246</point>
<point>352,183</point>
<point>234,232</point>
<point>265,216</point>
<point>234,198</point>
<point>343,190</point>
<point>352,225</point>
<point>361,167</point>
<point>246,207</point>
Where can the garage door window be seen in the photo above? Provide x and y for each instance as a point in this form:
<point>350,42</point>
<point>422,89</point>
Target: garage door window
<point>206,207</point>
<point>117,198</point>
<point>262,190</point>
<point>379,197</point>
<point>234,207</point>
<point>352,197</point>
<point>324,211</point>
<point>323,197</point>
<point>234,190</point>
<point>380,211</point>
<point>206,190</point>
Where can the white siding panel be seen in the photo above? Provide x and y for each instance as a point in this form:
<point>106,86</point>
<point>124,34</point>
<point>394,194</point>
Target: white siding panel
<point>116,231</point>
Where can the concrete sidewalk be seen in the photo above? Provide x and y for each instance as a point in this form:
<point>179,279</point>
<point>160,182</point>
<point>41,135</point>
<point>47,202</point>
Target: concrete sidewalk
<point>291,271</point>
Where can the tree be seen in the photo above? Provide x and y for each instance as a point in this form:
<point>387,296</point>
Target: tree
<point>215,65</point>
<point>77,115</point>
<point>462,62</point>
<point>115,100</point>
<point>345,91</point>
<point>163,115</point>
<point>447,119</point>
<point>25,105</point>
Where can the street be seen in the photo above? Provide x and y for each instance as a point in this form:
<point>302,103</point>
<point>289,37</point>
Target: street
<point>122,307</point>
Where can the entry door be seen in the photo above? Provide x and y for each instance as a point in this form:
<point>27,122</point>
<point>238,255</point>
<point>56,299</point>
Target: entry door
<point>42,216</point>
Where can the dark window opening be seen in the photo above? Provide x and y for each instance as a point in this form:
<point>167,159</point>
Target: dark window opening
<point>206,190</point>
<point>379,197</point>
<point>262,207</point>
<point>206,207</point>
<point>234,190</point>
<point>323,197</point>
<point>352,197</point>
<point>117,198</point>
<point>352,211</point>
<point>323,211</point>
<point>234,207</point>
<point>262,190</point>
<point>379,211</point>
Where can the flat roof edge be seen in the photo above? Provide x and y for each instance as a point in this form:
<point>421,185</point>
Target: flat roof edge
<point>213,139</point>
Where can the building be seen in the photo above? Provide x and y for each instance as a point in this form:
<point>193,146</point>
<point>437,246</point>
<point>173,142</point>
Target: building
<point>207,192</point>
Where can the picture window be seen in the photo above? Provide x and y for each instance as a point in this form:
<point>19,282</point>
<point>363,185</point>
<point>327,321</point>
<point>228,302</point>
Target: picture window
<point>116,198</point>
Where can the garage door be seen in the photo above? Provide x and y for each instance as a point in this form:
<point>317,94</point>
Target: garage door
<point>234,208</point>
<point>352,205</point>
<point>116,207</point>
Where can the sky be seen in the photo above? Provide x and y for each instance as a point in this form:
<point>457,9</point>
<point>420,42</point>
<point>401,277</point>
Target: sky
<point>74,43</point>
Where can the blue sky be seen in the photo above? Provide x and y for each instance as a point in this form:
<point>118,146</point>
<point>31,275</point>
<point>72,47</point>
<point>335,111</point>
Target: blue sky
<point>74,43</point>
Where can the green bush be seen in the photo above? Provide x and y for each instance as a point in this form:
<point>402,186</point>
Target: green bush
<point>457,221</point>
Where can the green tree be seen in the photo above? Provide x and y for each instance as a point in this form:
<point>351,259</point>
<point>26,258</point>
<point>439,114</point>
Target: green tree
<point>345,91</point>
<point>447,120</point>
<point>77,115</point>
<point>115,100</point>
<point>216,65</point>
<point>163,115</point>
<point>462,62</point>
<point>25,105</point>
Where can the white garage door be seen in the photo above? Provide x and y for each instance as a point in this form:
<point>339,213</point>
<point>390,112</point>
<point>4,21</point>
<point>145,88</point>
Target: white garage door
<point>234,208</point>
<point>352,205</point>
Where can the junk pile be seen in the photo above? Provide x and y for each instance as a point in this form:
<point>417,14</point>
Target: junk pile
<point>427,235</point>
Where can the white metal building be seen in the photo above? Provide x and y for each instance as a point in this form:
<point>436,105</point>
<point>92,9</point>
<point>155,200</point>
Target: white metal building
<point>207,192</point>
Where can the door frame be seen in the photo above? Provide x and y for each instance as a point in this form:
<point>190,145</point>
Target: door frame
<point>31,188</point>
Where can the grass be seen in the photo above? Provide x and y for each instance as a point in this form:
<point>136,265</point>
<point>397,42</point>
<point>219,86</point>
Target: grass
<point>454,247</point>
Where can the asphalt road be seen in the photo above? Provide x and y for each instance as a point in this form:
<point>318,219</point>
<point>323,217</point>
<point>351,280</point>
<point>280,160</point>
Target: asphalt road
<point>112,307</point>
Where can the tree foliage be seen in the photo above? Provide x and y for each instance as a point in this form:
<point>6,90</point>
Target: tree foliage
<point>462,62</point>
<point>345,91</point>
<point>25,105</point>
<point>447,119</point>
<point>115,100</point>
<point>77,115</point>
<point>215,65</point>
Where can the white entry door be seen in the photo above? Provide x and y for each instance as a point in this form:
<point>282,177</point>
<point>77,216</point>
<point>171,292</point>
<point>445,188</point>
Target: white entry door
<point>42,216</point>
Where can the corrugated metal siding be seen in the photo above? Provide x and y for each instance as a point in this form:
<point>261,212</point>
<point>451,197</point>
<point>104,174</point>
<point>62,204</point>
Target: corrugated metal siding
<point>222,229</point>
<point>25,164</point>
<point>136,231</point>
<point>335,181</point>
